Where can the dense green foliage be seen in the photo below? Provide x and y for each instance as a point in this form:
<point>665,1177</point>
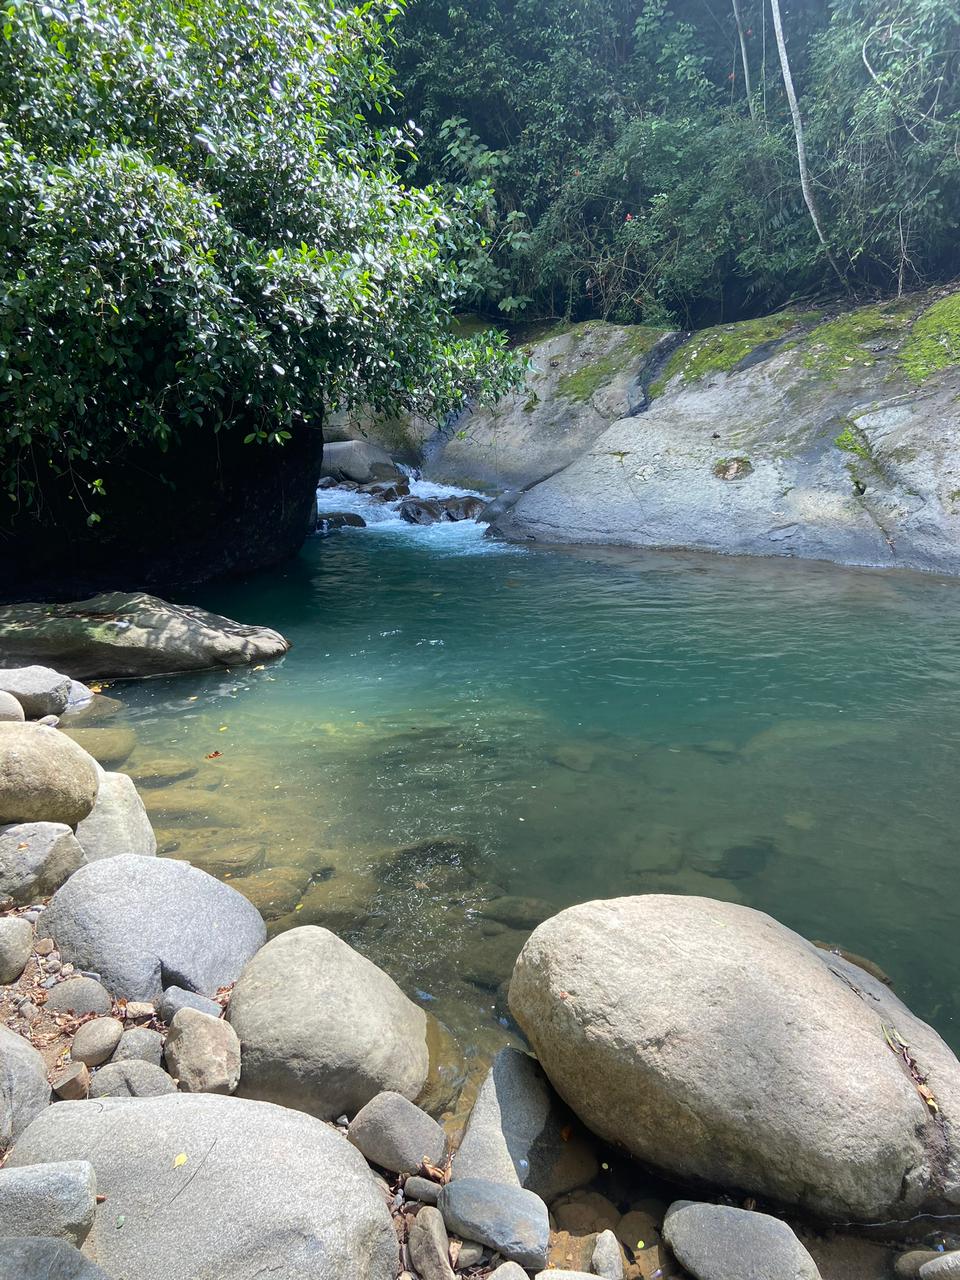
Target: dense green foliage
<point>201,229</point>
<point>636,178</point>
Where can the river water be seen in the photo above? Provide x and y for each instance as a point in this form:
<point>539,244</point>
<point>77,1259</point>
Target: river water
<point>462,723</point>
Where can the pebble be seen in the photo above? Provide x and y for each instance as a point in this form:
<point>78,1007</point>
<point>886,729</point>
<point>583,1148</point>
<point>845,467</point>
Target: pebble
<point>469,1255</point>
<point>608,1257</point>
<point>29,1011</point>
<point>95,1041</point>
<point>137,1009</point>
<point>44,946</point>
<point>52,965</point>
<point>72,1083</point>
<point>421,1189</point>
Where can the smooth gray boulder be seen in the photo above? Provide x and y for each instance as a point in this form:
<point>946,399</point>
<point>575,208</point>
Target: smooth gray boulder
<point>57,1199</point>
<point>41,691</point>
<point>96,1040</point>
<point>130,1078</point>
<point>208,1186</point>
<point>79,996</point>
<point>202,1053</point>
<point>719,1242</point>
<point>44,1258</point>
<point>511,1220</point>
<point>35,859</point>
<point>946,1267</point>
<point>146,923</point>
<point>24,1091</point>
<point>16,947</point>
<point>44,777</point>
<point>117,823</point>
<point>324,1030</point>
<point>521,1134</point>
<point>139,1044</point>
<point>715,1044</point>
<point>10,708</point>
<point>395,1134</point>
<point>358,460</point>
<point>176,998</point>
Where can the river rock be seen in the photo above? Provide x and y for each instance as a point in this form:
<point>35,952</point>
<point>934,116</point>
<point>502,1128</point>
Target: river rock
<point>110,745</point>
<point>420,510</point>
<point>43,1258</point>
<point>44,777</point>
<point>946,1267</point>
<point>275,891</point>
<point>72,1083</point>
<point>16,947</point>
<point>57,1199</point>
<point>511,1220</point>
<point>40,691</point>
<point>176,998</point>
<point>96,1040</point>
<point>139,1044</point>
<point>118,822</point>
<point>712,1042</point>
<point>430,1246</point>
<point>323,1029</point>
<point>131,1078</point>
<point>24,1091</point>
<point>212,1186</point>
<point>35,859</point>
<point>521,1134</point>
<point>422,1189</point>
<point>140,922</point>
<point>120,634</point>
<point>10,708</point>
<point>465,507</point>
<point>331,521</point>
<point>358,460</point>
<point>719,1242</point>
<point>509,1271</point>
<point>202,1053</point>
<point>607,1258</point>
<point>396,1135</point>
<point>79,996</point>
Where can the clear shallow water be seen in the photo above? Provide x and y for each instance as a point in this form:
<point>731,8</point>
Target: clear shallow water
<point>781,734</point>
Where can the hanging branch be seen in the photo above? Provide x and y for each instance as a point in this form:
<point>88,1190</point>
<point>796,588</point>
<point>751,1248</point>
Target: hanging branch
<point>747,84</point>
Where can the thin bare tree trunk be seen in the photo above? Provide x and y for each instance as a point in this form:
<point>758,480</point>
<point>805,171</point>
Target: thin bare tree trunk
<point>805,184</point>
<point>747,84</point>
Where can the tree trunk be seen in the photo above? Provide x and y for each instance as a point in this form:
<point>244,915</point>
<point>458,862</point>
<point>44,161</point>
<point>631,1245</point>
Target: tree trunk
<point>747,84</point>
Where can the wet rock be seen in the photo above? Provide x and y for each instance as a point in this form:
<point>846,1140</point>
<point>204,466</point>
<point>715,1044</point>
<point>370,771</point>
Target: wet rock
<point>202,1053</point>
<point>118,822</point>
<point>716,1044</point>
<point>719,1242</point>
<point>141,1044</point>
<point>79,996</point>
<point>16,947</point>
<point>358,460</point>
<point>176,998</point>
<point>24,1091</point>
<point>521,1134</point>
<point>275,1189</point>
<point>518,913</point>
<point>420,510</point>
<point>274,892</point>
<point>586,1211</point>
<point>35,859</point>
<point>461,508</point>
<point>511,1220</point>
<point>130,1079</point>
<point>160,771</point>
<point>331,521</point>
<point>43,1258</point>
<point>638,1230</point>
<point>140,922</point>
<point>607,1258</point>
<point>324,1030</point>
<point>72,1083</point>
<point>109,745</point>
<point>120,634</point>
<point>95,1041</point>
<point>946,1267</point>
<point>40,691</point>
<point>430,1246</point>
<point>56,1199</point>
<point>396,1135</point>
<point>10,708</point>
<point>44,777</point>
<point>421,1189</point>
<point>490,961</point>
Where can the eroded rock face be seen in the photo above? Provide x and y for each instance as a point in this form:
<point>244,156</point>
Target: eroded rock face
<point>44,777</point>
<point>213,1186</point>
<point>716,1044</point>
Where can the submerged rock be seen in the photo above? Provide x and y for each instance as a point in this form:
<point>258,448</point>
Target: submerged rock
<point>712,1042</point>
<point>44,777</point>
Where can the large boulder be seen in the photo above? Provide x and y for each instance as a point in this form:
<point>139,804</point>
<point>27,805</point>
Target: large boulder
<point>122,634</point>
<point>57,1199</point>
<point>117,823</point>
<point>358,460</point>
<point>323,1029</point>
<point>41,691</point>
<point>720,1242</point>
<point>44,777</point>
<point>718,1045</point>
<point>202,1186</point>
<point>46,1258</point>
<point>146,923</point>
<point>35,859</point>
<point>24,1091</point>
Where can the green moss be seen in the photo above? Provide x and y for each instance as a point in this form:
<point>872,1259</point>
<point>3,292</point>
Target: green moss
<point>853,441</point>
<point>732,468</point>
<point>844,343</point>
<point>531,402</point>
<point>934,341</point>
<point>584,382</point>
<point>719,349</point>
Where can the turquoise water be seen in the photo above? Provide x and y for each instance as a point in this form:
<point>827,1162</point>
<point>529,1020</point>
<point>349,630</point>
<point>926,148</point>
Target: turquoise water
<point>590,724</point>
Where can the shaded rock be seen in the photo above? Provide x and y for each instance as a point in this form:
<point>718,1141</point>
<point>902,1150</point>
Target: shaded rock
<point>420,510</point>
<point>143,923</point>
<point>396,1135</point>
<point>140,1044</point>
<point>132,1078</point>
<point>511,1220</point>
<point>907,1266</point>
<point>110,745</point>
<point>95,1041</point>
<point>10,708</point>
<point>469,1254</point>
<point>638,1230</point>
<point>946,1267</point>
<point>331,521</point>
<point>358,460</point>
<point>570,1251</point>
<point>586,1211</point>
<point>518,913</point>
<point>202,1053</point>
<point>43,1258</point>
<point>521,1134</point>
<point>461,508</point>
<point>56,1200</point>
<point>176,998</point>
<point>262,1190</point>
<point>24,1091</point>
<point>40,691</point>
<point>275,891</point>
<point>422,1189</point>
<point>121,634</point>
<point>719,1242</point>
<point>607,1258</point>
<point>72,1083</point>
<point>35,859</point>
<point>117,823</point>
<point>711,1041</point>
<point>79,996</point>
<point>324,1030</point>
<point>16,947</point>
<point>430,1245</point>
<point>44,777</point>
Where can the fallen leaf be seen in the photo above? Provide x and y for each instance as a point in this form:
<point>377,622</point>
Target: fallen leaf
<point>214,755</point>
<point>222,729</point>
<point>181,1159</point>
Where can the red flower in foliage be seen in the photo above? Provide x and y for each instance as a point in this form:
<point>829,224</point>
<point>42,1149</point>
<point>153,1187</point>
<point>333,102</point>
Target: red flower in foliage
<point>628,218</point>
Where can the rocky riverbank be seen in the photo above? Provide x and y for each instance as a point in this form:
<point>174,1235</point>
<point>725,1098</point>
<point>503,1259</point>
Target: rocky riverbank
<point>711,1096</point>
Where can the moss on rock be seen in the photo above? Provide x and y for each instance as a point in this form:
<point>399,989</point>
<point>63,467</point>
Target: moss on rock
<point>580,384</point>
<point>720,349</point>
<point>934,340</point>
<point>847,341</point>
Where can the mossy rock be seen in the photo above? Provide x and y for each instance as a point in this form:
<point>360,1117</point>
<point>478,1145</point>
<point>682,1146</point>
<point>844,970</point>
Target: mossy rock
<point>934,340</point>
<point>853,340</point>
<point>583,383</point>
<point>722,348</point>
